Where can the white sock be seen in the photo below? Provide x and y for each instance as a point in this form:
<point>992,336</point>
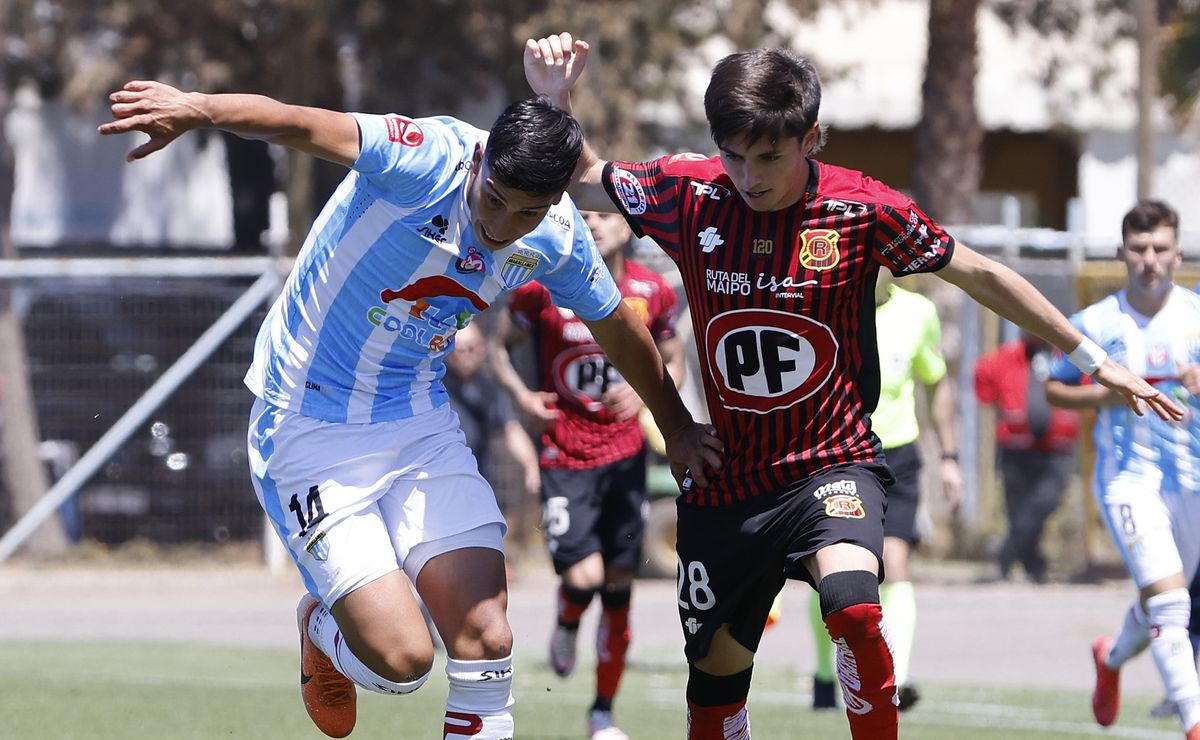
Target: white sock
<point>323,629</point>
<point>1132,639</point>
<point>1168,615</point>
<point>479,703</point>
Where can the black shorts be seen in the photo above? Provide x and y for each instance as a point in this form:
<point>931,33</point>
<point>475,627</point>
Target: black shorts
<point>903,495</point>
<point>595,510</point>
<point>735,559</point>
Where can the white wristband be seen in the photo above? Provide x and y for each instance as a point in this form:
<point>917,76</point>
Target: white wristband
<point>1088,356</point>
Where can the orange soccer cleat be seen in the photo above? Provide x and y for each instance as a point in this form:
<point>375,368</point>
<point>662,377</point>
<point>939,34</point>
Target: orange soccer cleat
<point>1106,699</point>
<point>329,697</point>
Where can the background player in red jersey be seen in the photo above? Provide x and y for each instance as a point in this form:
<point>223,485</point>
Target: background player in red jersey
<point>779,254</point>
<point>593,455</point>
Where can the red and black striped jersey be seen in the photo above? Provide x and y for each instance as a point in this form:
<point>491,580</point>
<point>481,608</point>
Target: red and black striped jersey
<point>782,304</point>
<point>572,365</point>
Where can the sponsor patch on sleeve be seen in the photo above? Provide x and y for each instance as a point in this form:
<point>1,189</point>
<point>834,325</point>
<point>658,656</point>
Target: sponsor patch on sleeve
<point>629,191</point>
<point>404,131</point>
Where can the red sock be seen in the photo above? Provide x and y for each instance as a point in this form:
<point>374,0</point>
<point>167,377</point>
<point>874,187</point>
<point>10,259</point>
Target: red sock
<point>726,722</point>
<point>866,671</point>
<point>612,642</point>
<point>572,603</point>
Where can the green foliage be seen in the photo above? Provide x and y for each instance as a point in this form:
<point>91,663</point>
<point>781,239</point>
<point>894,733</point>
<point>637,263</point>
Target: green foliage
<point>1180,70</point>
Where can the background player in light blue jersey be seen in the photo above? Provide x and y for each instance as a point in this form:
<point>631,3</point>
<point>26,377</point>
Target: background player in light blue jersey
<point>1147,476</point>
<point>355,454</point>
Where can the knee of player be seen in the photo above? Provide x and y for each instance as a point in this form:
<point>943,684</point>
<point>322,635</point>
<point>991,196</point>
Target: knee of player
<point>850,603</point>
<point>407,664</point>
<point>496,640</point>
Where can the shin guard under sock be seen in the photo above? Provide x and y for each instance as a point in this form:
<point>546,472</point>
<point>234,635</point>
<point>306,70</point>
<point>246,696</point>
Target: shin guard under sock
<point>865,668</point>
<point>717,705</point>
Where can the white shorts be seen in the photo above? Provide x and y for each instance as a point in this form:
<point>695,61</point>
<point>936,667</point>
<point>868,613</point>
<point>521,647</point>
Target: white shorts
<point>1157,535</point>
<point>354,502</point>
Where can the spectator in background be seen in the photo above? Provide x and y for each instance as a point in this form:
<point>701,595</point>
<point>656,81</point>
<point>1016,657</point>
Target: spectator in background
<point>909,335</point>
<point>1147,476</point>
<point>486,416</point>
<point>1035,443</point>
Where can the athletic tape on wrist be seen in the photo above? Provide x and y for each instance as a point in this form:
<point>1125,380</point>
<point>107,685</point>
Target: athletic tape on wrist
<point>1088,356</point>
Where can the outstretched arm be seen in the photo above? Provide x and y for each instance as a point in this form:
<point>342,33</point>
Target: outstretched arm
<point>165,113</point>
<point>553,65</point>
<point>1011,296</point>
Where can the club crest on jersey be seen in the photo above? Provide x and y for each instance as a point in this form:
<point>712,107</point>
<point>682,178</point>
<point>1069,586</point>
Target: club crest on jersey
<point>404,131</point>
<point>629,191</point>
<point>763,360</point>
<point>845,507</point>
<point>519,267</point>
<point>819,249</point>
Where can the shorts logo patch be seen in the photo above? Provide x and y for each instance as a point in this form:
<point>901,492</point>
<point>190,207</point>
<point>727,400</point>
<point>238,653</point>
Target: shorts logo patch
<point>845,507</point>
<point>318,547</point>
<point>629,191</point>
<point>404,131</point>
<point>848,487</point>
<point>764,360</point>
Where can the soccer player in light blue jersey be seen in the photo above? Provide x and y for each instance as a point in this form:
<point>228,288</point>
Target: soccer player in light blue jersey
<point>355,454</point>
<point>1147,476</point>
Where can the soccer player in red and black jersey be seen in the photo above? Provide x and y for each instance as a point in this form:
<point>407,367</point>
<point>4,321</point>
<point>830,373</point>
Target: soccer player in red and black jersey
<point>593,457</point>
<point>779,254</point>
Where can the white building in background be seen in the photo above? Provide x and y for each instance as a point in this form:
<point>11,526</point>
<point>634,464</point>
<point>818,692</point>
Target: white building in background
<point>871,55</point>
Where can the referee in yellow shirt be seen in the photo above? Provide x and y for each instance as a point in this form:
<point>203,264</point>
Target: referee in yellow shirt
<point>909,336</point>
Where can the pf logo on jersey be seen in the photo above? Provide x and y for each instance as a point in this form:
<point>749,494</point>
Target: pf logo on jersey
<point>404,130</point>
<point>765,360</point>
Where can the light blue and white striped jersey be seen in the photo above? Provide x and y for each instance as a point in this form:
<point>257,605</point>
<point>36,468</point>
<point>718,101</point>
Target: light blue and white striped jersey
<point>391,269</point>
<point>1155,348</point>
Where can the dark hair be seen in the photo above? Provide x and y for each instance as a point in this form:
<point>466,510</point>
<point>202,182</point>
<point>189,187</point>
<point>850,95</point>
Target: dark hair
<point>1147,215</point>
<point>765,92</point>
<point>534,147</point>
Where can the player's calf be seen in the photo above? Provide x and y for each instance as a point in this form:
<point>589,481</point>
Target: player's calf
<point>865,667</point>
<point>717,705</point>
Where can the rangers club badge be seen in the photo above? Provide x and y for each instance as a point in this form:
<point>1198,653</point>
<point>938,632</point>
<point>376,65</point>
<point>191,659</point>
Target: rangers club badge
<point>818,249</point>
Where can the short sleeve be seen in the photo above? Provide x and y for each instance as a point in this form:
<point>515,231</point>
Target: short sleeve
<point>648,198</point>
<point>907,241</point>
<point>581,281</point>
<point>929,366</point>
<point>406,158</point>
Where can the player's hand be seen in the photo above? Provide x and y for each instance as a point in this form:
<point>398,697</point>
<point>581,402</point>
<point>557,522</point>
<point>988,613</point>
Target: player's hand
<point>693,450</point>
<point>1137,392</point>
<point>1189,376</point>
<point>622,401</point>
<point>539,408</point>
<point>553,64</point>
<point>153,108</point>
<point>952,483</point>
